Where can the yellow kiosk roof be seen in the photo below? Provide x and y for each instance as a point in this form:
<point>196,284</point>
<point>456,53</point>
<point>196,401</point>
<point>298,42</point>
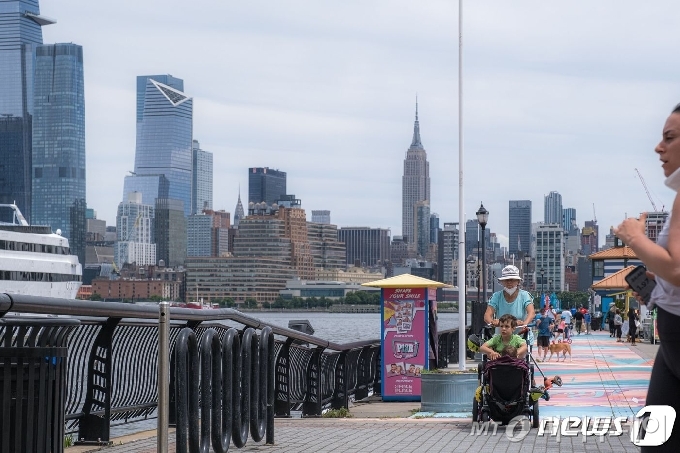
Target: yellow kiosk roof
<point>406,281</point>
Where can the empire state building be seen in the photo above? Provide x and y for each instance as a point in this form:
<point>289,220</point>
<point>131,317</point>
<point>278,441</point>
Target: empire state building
<point>415,182</point>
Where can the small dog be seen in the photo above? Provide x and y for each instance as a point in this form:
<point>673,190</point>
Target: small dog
<point>564,348</point>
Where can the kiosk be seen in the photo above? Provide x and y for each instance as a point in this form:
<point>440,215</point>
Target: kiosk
<point>405,302</point>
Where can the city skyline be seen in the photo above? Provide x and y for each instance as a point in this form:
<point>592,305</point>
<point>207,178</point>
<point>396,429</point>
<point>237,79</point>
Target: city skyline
<point>306,98</point>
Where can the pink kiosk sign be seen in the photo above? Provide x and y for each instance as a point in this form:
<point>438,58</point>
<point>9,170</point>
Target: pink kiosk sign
<point>404,345</point>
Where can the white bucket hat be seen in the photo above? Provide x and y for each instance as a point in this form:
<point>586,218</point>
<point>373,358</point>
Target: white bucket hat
<point>509,273</point>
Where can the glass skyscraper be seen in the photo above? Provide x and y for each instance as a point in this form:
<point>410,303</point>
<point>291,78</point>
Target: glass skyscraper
<point>266,185</point>
<point>164,134</point>
<point>202,179</point>
<point>20,34</point>
<point>519,228</point>
<point>553,209</point>
<point>59,139</point>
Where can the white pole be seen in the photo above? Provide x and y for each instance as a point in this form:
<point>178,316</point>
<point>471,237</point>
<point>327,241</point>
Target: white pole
<point>461,204</point>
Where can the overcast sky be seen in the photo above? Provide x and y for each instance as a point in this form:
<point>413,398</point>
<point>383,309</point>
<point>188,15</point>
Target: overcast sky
<point>562,95</point>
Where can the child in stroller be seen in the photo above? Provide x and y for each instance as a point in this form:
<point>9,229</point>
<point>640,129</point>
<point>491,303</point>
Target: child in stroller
<point>506,381</point>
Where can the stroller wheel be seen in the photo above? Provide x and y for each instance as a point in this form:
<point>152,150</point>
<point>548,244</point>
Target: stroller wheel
<point>485,416</point>
<point>475,410</point>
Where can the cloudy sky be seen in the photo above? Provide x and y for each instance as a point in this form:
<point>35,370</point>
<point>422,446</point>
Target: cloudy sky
<point>562,95</point>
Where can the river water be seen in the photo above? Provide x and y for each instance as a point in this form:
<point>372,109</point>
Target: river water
<point>343,327</point>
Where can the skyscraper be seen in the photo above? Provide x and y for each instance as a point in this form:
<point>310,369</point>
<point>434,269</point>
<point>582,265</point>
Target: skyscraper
<point>448,253</point>
<point>20,23</point>
<point>519,227</point>
<point>568,219</point>
<point>202,178</point>
<point>164,135</point>
<point>553,209</point>
<point>321,216</point>
<point>434,228</point>
<point>366,246</point>
<point>415,182</point>
<point>134,226</point>
<point>59,140</point>
<point>421,226</point>
<point>238,211</point>
<point>265,184</point>
<point>170,232</point>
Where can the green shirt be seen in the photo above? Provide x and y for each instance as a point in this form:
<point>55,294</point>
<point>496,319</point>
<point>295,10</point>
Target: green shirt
<point>496,342</point>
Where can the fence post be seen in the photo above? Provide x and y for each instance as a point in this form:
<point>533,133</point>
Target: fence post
<point>163,375</point>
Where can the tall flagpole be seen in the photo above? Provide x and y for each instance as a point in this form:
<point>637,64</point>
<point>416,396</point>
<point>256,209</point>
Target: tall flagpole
<point>462,274</point>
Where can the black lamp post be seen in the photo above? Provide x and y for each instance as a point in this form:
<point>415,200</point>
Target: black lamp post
<point>542,281</point>
<point>527,262</point>
<point>480,307</point>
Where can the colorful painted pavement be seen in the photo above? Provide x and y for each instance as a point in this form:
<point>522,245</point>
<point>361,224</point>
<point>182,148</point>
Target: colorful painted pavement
<point>603,378</point>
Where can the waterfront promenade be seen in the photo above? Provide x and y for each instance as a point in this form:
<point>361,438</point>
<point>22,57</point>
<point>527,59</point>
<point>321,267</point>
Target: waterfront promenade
<point>604,378</point>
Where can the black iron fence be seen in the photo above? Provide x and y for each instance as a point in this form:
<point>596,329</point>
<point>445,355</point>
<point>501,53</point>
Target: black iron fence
<point>112,362</point>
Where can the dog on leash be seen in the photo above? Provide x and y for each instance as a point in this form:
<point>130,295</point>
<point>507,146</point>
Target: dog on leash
<point>556,348</point>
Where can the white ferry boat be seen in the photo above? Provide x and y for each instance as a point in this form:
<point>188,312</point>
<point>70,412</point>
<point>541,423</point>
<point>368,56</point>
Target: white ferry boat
<point>34,261</point>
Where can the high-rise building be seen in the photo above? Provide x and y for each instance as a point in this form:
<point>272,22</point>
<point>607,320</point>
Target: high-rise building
<point>366,246</point>
<point>519,227</point>
<point>321,216</point>
<point>134,227</point>
<point>170,232</point>
<point>568,219</point>
<point>199,240</point>
<point>421,226</point>
<point>553,209</point>
<point>434,228</point>
<point>415,182</point>
<point>20,22</point>
<point>164,135</point>
<point>472,237</point>
<point>202,178</point>
<point>265,184</point>
<point>59,142</point>
<point>448,253</point>
<point>590,235</point>
<point>327,252</point>
<point>549,269</point>
<point>654,224</point>
<point>238,211</point>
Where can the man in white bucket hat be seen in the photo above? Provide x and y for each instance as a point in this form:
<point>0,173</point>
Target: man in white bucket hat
<point>511,300</point>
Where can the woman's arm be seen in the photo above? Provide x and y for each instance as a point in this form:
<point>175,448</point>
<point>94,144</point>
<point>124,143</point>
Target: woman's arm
<point>488,316</point>
<point>531,313</point>
<point>660,261</point>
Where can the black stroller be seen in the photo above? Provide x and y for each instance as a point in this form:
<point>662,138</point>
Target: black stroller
<point>505,392</point>
<point>506,386</point>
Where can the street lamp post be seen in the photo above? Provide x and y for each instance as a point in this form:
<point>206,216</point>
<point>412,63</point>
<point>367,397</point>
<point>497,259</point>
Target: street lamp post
<point>527,262</point>
<point>480,307</point>
<point>542,281</point>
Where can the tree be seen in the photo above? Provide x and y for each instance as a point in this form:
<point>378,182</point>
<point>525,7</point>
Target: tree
<point>95,296</point>
<point>250,303</point>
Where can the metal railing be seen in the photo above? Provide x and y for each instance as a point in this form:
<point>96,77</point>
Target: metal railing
<point>112,361</point>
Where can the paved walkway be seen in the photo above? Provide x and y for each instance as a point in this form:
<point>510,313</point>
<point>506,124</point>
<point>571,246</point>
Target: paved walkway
<point>604,378</point>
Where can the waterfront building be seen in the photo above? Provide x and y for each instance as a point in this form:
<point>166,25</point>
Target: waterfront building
<point>237,277</point>
<point>332,289</point>
<point>550,257</point>
<point>136,289</point>
<point>366,246</point>
<point>170,232</point>
<point>553,208</point>
<point>415,182</point>
<point>164,136</point>
<point>568,219</point>
<point>321,216</point>
<point>519,227</point>
<point>417,267</point>
<point>351,275</point>
<point>448,252</point>
<point>265,185</point>
<point>21,24</point>
<point>58,150</point>
<point>134,225</point>
<point>202,179</point>
<point>327,252</point>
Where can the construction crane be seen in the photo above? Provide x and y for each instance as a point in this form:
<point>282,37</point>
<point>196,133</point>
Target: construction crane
<point>642,180</point>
